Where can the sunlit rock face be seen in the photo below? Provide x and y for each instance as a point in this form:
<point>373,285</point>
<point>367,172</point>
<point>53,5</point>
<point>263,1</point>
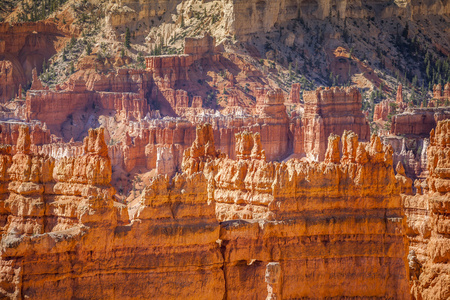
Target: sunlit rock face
<point>327,111</point>
<point>209,231</point>
<point>428,221</point>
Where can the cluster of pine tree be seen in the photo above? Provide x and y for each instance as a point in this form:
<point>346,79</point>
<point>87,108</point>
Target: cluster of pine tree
<point>437,70</point>
<point>38,9</point>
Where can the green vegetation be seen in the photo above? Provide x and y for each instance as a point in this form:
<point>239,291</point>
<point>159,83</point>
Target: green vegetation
<point>88,48</point>
<point>38,9</point>
<point>127,38</point>
<point>140,61</point>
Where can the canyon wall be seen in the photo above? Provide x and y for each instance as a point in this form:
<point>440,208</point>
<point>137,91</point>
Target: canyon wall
<point>313,222</point>
<point>327,111</point>
<point>428,222</point>
<point>123,92</point>
<point>245,18</point>
<point>23,47</point>
<point>419,121</point>
<point>208,232</point>
<point>254,16</point>
<point>75,241</point>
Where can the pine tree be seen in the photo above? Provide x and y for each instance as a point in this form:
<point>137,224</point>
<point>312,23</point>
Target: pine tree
<point>73,40</point>
<point>88,48</point>
<point>161,45</point>
<point>127,38</point>
<point>141,61</point>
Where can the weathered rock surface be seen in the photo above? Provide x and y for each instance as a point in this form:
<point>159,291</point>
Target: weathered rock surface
<point>441,97</point>
<point>292,225</point>
<point>23,47</point>
<point>327,111</point>
<point>122,92</point>
<point>419,121</point>
<point>387,107</point>
<point>250,17</point>
<point>326,225</point>
<point>428,221</point>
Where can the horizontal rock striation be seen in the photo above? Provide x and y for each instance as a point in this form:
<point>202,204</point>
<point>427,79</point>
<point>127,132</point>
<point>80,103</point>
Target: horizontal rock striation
<point>419,121</point>
<point>308,217</point>
<point>66,237</point>
<point>208,232</point>
<point>123,92</point>
<point>250,17</point>
<point>428,221</point>
<point>327,111</point>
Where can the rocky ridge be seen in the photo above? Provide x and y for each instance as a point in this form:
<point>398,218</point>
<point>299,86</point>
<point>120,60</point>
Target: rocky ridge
<point>427,214</point>
<point>85,228</point>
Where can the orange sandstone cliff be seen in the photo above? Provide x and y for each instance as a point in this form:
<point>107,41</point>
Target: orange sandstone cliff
<point>429,222</point>
<point>324,229</point>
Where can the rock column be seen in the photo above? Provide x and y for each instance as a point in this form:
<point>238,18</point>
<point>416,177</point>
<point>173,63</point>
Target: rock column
<point>273,279</point>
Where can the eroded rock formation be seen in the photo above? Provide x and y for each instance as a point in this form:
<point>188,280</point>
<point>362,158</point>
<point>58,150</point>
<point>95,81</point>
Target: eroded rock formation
<point>428,221</point>
<point>72,235</point>
<point>24,47</point>
<point>122,92</point>
<point>279,197</point>
<point>331,110</point>
<point>441,97</point>
<point>251,17</point>
<point>418,121</point>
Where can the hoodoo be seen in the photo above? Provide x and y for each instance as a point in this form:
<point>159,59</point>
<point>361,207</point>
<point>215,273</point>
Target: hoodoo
<point>196,149</point>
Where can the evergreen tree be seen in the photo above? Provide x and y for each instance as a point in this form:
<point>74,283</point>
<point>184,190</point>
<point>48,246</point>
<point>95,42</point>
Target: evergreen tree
<point>141,61</point>
<point>88,48</point>
<point>127,38</point>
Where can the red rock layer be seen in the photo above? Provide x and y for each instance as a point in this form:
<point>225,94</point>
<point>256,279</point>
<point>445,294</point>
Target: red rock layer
<point>175,67</point>
<point>24,46</point>
<point>123,92</point>
<point>418,122</point>
<point>330,111</point>
<point>327,225</point>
